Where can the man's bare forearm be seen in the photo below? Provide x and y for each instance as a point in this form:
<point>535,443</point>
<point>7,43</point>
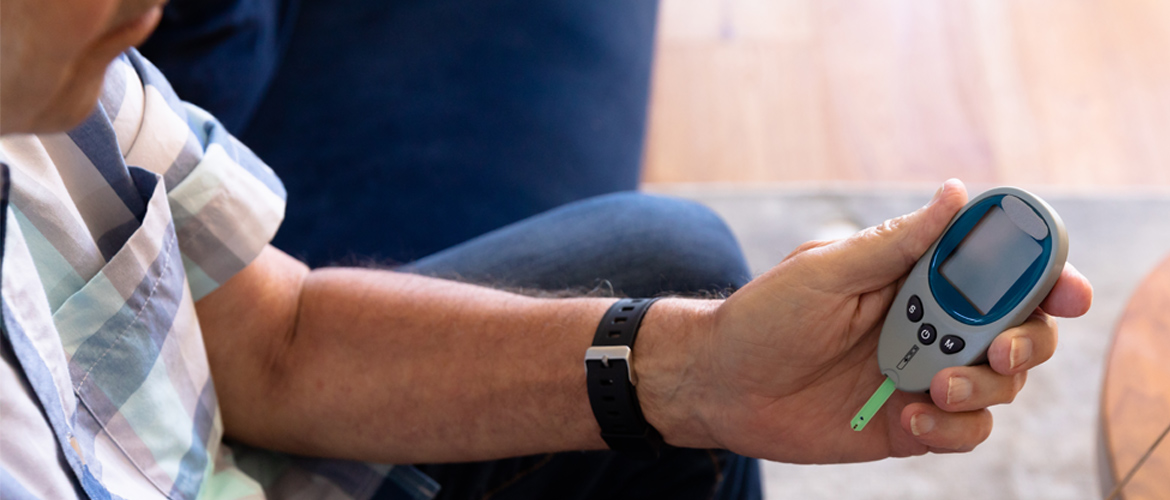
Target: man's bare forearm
<point>393,367</point>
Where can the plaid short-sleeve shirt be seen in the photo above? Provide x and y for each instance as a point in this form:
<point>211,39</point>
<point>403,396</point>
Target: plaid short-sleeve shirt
<point>111,233</point>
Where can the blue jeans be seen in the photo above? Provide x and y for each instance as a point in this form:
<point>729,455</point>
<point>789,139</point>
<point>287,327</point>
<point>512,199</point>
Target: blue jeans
<point>640,246</point>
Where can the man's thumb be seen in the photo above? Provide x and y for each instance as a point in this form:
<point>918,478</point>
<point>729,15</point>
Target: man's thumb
<point>880,255</point>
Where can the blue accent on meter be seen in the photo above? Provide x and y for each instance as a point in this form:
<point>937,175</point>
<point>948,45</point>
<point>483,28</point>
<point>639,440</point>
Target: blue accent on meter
<point>951,299</point>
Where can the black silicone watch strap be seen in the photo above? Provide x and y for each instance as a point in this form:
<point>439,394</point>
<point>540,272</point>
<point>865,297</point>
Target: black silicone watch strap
<point>611,382</point>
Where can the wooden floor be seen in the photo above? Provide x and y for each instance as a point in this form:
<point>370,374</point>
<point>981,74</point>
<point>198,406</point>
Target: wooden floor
<point>1069,93</point>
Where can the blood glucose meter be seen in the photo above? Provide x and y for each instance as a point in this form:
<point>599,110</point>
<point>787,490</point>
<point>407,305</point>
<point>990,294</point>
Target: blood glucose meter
<point>993,265</point>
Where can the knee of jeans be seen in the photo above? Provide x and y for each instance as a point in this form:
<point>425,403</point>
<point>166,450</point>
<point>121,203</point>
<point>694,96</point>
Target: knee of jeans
<point>685,242</point>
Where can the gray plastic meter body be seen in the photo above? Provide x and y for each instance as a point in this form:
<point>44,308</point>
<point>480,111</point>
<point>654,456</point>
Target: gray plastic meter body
<point>993,265</point>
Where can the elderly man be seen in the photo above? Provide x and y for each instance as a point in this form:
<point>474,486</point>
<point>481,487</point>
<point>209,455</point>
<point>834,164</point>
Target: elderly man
<point>148,324</point>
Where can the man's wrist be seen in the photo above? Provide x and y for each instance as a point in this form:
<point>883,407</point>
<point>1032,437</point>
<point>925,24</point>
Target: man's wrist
<point>671,366</point>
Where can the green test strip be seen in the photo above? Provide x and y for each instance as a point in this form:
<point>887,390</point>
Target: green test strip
<point>873,405</point>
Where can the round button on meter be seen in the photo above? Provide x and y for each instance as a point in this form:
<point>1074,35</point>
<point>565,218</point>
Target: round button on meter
<point>952,344</point>
<point>914,309</point>
<point>927,334</point>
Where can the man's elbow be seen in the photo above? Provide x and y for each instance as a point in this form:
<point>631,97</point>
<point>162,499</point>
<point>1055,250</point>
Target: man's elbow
<point>249,324</point>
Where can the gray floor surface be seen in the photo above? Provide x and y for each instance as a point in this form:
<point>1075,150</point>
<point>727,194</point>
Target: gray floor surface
<point>1044,446</point>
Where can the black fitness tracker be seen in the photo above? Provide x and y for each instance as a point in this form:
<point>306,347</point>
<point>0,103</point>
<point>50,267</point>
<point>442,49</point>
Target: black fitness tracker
<point>610,377</point>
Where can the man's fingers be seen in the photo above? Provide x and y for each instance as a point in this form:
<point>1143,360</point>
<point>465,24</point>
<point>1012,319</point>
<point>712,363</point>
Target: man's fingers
<point>1025,346</point>
<point>879,255</point>
<point>1071,296</point>
<point>968,388</point>
<point>943,431</point>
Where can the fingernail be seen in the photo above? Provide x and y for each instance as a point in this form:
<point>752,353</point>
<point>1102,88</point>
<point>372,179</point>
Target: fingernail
<point>937,194</point>
<point>1021,352</point>
<point>921,424</point>
<point>958,390</point>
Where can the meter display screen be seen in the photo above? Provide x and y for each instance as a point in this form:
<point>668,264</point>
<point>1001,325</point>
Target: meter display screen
<point>990,259</point>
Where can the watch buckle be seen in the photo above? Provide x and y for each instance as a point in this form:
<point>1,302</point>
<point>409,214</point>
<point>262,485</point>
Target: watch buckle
<point>608,353</point>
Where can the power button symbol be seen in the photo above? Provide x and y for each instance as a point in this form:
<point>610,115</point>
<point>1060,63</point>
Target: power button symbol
<point>927,334</point>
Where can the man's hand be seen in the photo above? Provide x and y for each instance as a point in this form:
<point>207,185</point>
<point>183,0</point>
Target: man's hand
<point>786,361</point>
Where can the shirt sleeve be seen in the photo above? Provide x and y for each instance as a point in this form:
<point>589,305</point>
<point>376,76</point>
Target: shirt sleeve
<point>226,203</point>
